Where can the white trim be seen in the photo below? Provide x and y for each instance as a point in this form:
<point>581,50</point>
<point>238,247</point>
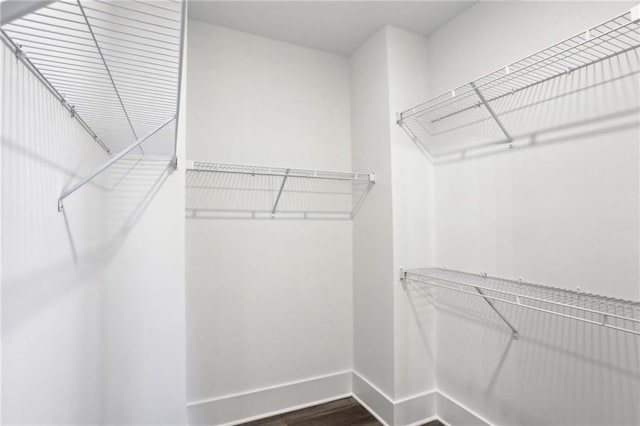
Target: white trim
<point>468,411</point>
<point>372,412</point>
<point>414,396</point>
<point>229,410</point>
<point>374,387</point>
<point>427,420</point>
<point>288,410</point>
<point>266,388</point>
<point>270,400</point>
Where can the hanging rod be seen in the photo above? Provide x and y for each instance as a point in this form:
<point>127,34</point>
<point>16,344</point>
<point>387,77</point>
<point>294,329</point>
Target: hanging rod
<point>476,100</point>
<point>616,314</point>
<point>109,163</point>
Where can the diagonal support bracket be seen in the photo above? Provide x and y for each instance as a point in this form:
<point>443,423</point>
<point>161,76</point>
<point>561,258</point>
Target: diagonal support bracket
<point>492,112</point>
<point>514,332</point>
<point>109,163</point>
<point>275,205</point>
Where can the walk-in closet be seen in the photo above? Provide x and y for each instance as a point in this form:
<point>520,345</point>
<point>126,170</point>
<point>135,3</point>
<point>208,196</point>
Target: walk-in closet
<point>293,213</point>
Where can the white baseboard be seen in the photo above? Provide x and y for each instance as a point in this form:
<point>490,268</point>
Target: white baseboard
<point>413,410</point>
<point>373,399</point>
<point>269,401</point>
<point>454,413</point>
<point>273,400</point>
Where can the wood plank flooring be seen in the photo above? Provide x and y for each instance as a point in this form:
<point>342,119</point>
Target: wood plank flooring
<point>343,412</point>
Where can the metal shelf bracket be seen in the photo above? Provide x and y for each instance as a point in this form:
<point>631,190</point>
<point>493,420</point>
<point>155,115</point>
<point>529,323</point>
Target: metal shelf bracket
<point>275,205</point>
<point>514,332</point>
<point>491,111</point>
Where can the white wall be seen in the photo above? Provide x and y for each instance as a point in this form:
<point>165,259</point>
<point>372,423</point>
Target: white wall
<point>373,227</point>
<point>92,298</point>
<point>413,191</point>
<point>565,214</point>
<point>269,301</point>
<point>394,332</point>
<point>51,306</point>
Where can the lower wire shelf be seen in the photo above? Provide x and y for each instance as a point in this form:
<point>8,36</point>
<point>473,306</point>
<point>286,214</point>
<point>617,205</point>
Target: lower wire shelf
<point>617,314</point>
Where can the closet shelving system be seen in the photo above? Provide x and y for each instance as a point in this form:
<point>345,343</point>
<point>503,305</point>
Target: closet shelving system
<point>617,314</point>
<point>114,65</point>
<point>506,105</point>
<point>274,188</point>
<point>497,100</point>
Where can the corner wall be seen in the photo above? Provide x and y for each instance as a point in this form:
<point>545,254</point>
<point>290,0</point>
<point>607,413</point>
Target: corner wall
<point>565,214</point>
<point>394,342</point>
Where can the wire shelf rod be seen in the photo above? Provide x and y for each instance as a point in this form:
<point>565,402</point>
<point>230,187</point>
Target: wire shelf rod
<point>119,6</point>
<point>153,5</point>
<point>79,67</point>
<point>66,50</point>
<point>70,12</point>
<point>157,101</point>
<point>126,39</point>
<point>87,77</point>
<point>119,64</point>
<point>73,40</point>
<point>88,83</point>
<point>109,28</point>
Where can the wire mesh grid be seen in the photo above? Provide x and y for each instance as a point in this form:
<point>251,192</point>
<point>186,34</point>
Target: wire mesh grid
<point>234,190</point>
<point>619,314</point>
<point>116,64</point>
<point>577,68</point>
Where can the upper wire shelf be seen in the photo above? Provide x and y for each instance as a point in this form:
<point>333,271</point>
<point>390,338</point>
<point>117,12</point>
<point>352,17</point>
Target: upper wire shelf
<point>617,314</point>
<point>217,190</point>
<point>528,96</point>
<point>115,65</point>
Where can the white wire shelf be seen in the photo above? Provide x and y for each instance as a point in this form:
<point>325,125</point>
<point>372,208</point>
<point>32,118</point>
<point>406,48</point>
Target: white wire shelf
<point>115,65</point>
<point>597,70</point>
<point>217,190</point>
<point>617,314</point>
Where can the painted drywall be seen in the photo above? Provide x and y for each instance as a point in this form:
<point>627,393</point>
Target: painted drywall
<point>373,275</point>
<point>51,306</point>
<point>565,214</point>
<point>268,301</point>
<point>93,297</point>
<point>394,336</point>
<point>412,183</point>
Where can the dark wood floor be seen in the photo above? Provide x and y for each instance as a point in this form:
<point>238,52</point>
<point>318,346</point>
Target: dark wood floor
<point>345,411</point>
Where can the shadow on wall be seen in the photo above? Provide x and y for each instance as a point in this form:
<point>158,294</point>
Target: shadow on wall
<point>541,106</point>
<point>66,249</point>
<point>564,371</point>
<point>211,195</point>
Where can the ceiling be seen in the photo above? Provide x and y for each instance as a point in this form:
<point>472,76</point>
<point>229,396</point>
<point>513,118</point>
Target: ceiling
<point>333,26</point>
